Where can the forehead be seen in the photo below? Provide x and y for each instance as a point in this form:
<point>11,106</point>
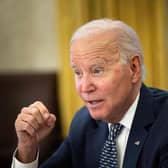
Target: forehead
<point>96,47</point>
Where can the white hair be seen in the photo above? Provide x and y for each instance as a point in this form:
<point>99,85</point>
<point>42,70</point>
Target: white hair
<point>128,39</point>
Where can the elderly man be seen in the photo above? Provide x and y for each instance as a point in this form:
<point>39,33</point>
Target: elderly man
<point>123,123</point>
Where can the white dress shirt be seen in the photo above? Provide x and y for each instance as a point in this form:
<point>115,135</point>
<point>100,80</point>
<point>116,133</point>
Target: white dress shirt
<point>17,164</point>
<point>123,136</point>
<point>121,139</point>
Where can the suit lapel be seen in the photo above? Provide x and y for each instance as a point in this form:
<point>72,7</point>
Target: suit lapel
<point>142,121</point>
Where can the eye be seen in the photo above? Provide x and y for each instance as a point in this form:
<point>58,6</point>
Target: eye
<point>77,73</point>
<point>98,71</point>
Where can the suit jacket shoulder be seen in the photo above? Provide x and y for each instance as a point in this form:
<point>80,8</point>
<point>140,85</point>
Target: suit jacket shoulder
<point>81,122</point>
<point>148,137</point>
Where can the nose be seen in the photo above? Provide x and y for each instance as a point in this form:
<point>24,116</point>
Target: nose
<point>87,84</point>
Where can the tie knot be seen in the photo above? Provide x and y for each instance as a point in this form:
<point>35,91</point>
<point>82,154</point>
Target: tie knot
<point>115,130</point>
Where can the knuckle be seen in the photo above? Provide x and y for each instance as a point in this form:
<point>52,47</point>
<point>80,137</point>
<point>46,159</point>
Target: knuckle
<point>37,103</point>
<point>24,109</point>
<point>18,119</point>
<point>41,106</point>
<point>35,110</point>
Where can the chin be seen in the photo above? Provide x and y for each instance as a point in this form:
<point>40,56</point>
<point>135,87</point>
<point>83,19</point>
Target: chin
<point>100,115</point>
<point>96,115</point>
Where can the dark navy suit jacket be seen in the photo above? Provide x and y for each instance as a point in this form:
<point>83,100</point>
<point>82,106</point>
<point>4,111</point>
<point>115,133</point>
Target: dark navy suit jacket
<point>147,145</point>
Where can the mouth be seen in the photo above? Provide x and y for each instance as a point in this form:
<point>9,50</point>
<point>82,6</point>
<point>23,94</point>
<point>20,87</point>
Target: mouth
<point>94,103</point>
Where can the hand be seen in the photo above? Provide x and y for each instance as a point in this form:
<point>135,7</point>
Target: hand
<point>32,125</point>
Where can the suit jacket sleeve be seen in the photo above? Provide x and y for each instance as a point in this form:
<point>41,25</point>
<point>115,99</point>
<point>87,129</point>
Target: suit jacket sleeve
<point>69,154</point>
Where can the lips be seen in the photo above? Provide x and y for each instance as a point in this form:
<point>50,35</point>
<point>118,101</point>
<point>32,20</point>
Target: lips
<point>94,103</point>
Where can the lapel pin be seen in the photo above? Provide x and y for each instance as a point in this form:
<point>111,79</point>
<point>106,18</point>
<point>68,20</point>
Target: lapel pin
<point>137,143</point>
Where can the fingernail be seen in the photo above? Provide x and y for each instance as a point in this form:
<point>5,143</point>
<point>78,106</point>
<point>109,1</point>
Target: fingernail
<point>50,122</point>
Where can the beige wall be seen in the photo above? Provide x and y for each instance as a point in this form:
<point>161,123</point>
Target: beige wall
<point>28,36</point>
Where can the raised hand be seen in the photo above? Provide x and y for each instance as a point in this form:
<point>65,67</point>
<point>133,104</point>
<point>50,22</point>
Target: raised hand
<point>32,125</point>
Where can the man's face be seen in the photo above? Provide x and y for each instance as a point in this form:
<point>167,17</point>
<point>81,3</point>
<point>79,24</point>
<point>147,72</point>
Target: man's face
<point>102,81</point>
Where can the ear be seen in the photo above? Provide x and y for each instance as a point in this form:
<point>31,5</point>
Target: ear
<point>135,68</point>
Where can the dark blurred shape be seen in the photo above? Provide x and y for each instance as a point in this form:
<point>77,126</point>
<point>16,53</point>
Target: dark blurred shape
<point>17,91</point>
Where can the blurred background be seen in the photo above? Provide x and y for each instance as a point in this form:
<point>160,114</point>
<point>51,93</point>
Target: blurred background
<point>34,57</point>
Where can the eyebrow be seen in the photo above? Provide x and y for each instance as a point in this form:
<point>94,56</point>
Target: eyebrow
<point>73,66</point>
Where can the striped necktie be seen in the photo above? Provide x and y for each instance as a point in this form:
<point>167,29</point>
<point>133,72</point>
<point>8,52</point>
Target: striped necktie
<point>108,157</point>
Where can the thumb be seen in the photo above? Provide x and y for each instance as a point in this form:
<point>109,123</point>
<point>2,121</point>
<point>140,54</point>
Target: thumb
<point>51,120</point>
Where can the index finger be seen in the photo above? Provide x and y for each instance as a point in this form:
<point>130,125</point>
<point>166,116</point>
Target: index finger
<point>42,108</point>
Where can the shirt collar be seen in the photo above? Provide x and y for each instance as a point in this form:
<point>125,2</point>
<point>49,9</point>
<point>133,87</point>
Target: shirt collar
<point>129,115</point>
<point>127,119</point>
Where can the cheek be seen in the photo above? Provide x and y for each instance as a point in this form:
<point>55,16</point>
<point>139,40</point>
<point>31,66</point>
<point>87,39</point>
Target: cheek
<point>112,80</point>
<point>114,84</point>
<point>106,86</point>
<point>77,86</point>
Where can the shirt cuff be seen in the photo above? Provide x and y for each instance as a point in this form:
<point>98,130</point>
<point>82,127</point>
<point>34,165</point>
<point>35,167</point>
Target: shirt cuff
<point>17,164</point>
